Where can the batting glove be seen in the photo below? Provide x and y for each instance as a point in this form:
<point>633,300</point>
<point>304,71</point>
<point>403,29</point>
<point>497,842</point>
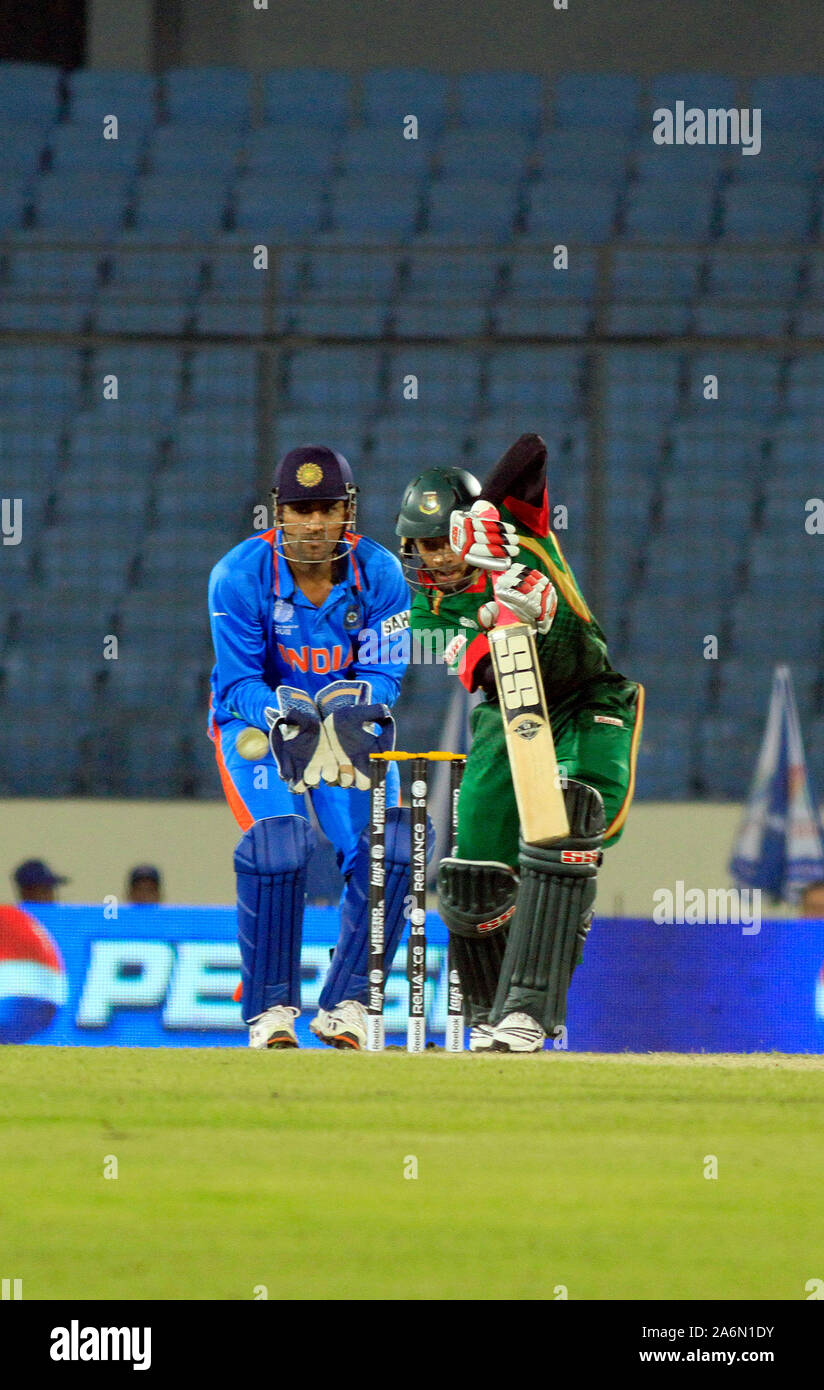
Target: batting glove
<point>529,595</point>
<point>481,538</point>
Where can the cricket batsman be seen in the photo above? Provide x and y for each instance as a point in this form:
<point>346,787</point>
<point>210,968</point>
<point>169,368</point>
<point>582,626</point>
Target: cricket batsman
<point>518,914</point>
<point>295,713</point>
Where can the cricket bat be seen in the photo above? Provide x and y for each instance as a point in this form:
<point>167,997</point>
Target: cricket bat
<point>529,740</point>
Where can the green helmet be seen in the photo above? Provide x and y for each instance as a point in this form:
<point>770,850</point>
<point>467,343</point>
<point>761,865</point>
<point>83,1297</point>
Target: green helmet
<point>427,505</point>
<point>431,497</point>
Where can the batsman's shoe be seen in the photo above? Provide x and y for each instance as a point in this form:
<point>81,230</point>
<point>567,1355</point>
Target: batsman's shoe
<point>480,1037</point>
<point>518,1033</point>
<point>343,1027</point>
<point>275,1028</point>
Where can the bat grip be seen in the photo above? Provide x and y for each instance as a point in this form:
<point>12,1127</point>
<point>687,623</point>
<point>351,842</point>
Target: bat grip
<point>505,615</point>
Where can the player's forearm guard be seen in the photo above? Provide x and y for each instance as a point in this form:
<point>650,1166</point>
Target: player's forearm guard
<point>553,915</point>
<point>477,902</point>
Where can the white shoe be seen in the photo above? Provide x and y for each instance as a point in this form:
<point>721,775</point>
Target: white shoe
<point>274,1028</point>
<point>480,1037</point>
<point>518,1033</point>
<point>343,1027</point>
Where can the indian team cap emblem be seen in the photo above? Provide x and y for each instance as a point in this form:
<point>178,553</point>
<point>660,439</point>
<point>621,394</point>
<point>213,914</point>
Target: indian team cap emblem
<point>429,503</point>
<point>310,474</point>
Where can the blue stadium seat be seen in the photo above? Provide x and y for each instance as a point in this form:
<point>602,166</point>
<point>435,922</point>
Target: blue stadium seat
<point>499,99</point>
<point>696,165</point>
<point>36,313</point>
<point>285,208</point>
<point>448,379</point>
<point>481,153</point>
<point>744,277</point>
<point>767,212</point>
<point>402,443</point>
<point>32,450</point>
<point>193,148</point>
<point>810,322</point>
<point>28,91</point>
<point>727,754</point>
<point>351,273</point>
<point>233,275</point>
<point>95,93</point>
<point>390,94</point>
<point>782,156</point>
<point>81,556</point>
<point>102,499</point>
<point>532,275</point>
<point>118,311</point>
<point>176,511</point>
<point>210,434</point>
<point>220,95</point>
<point>628,450</point>
<point>565,210</point>
<point>349,318</point>
<point>93,206</point>
<point>757,640</point>
<point>171,204</point>
<point>597,153</point>
<point>337,428</point>
<point>81,147</point>
<point>471,207</point>
<point>597,99</point>
<point>291,151</point>
<point>44,378</point>
<point>148,379</point>
<point>746,320</point>
<point>793,100</point>
<point>640,384</point>
<point>102,444</point>
<point>215,314</point>
<point>667,275</point>
<point>655,622</point>
<point>704,89</point>
<point>640,318</point>
<point>186,560</point>
<point>678,686</point>
<point>223,376</point>
<point>167,273</point>
<point>725,444</point>
<point>564,319</point>
<point>308,96</point>
<point>748,383</point>
<point>47,270</point>
<point>797,452</point>
<point>374,205</point>
<point>22,147</point>
<point>13,203</point>
<point>683,215</point>
<point>704,571</point>
<point>368,149</point>
<point>542,378</point>
<point>805,384</point>
<point>333,377</point>
<point>68,688</point>
<point>665,757</point>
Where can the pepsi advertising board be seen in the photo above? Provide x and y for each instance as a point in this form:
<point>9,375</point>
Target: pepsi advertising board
<point>165,976</point>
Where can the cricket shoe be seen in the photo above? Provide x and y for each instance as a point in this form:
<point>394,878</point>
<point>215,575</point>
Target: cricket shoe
<point>274,1028</point>
<point>343,1027</point>
<point>518,1033</point>
<point>480,1037</point>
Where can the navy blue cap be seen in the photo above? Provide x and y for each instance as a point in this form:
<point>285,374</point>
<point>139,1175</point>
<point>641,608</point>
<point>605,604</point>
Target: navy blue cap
<point>144,871</point>
<point>34,873</point>
<point>312,471</point>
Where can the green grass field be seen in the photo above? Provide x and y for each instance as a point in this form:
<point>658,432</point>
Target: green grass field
<point>240,1169</point>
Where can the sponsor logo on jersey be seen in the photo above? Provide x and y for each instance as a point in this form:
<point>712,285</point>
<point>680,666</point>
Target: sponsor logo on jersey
<point>607,719</point>
<point>317,659</point>
<point>397,623</point>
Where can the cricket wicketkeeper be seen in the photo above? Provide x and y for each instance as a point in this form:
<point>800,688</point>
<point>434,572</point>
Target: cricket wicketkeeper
<point>518,914</point>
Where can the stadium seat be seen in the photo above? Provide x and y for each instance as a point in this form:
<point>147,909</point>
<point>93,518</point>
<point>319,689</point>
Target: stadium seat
<point>209,435</point>
<point>369,206</point>
<point>91,207</point>
<point>390,94</point>
<point>743,277</point>
<point>805,384</point>
<point>291,151</point>
<point>148,379</point>
<point>194,148</point>
<point>500,99</point>
<point>28,91</point>
<point>795,101</point>
<point>81,556</point>
<point>333,377</point>
<point>748,384</point>
<point>81,147</point>
<point>542,316</point>
<point>755,640</point>
<point>23,147</point>
<point>704,89</point>
<point>597,99</point>
<point>696,165</point>
<point>448,379</point>
<point>337,428</point>
<point>543,378</point>
<point>109,445</point>
<point>766,211</point>
<point>669,276</point>
<point>95,93</point>
<point>683,215</point>
<point>639,384</point>
<point>471,209</point>
<point>220,95</point>
<point>285,208</point>
<point>570,210</point>
<point>307,96</point>
<point>597,153</point>
<point>481,153</point>
<point>665,757</point>
<point>727,751</point>
<point>383,150</point>
<point>744,320</point>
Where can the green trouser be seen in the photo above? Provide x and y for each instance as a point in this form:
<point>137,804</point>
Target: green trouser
<point>596,741</point>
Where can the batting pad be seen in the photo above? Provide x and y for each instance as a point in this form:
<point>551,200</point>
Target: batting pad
<point>270,863</point>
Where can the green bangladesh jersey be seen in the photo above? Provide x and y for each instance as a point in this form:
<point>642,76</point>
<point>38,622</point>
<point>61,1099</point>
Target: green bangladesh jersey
<point>574,651</point>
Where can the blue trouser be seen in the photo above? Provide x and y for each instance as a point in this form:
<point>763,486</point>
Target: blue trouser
<point>255,792</point>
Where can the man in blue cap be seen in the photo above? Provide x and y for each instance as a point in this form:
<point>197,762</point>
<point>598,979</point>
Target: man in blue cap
<point>298,704</point>
<point>36,882</point>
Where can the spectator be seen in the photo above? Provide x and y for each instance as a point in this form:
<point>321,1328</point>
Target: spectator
<point>144,885</point>
<point>36,882</point>
<point>812,899</point>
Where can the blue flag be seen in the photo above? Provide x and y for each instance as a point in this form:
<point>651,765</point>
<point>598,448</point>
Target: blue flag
<point>779,845</point>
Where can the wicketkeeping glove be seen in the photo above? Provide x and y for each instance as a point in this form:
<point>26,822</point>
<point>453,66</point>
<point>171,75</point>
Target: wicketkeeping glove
<point>297,740</point>
<point>527,593</point>
<point>354,728</point>
<point>481,538</point>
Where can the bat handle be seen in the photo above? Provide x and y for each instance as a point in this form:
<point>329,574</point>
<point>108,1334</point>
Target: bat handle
<point>505,615</point>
